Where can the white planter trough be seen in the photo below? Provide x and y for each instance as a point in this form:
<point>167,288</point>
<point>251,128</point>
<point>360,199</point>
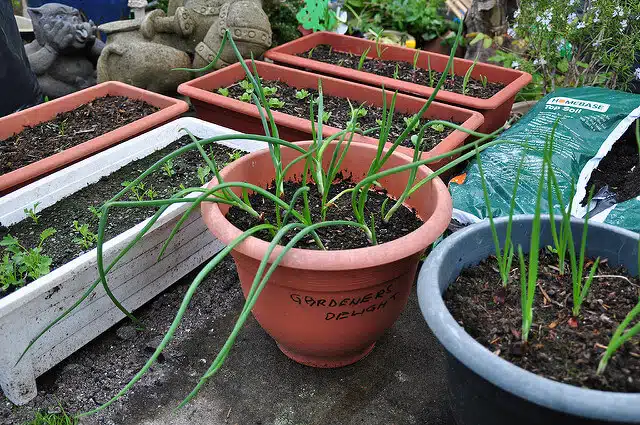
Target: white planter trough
<point>136,279</point>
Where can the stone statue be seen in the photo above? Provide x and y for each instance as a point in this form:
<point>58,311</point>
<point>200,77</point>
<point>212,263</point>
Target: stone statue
<point>189,35</point>
<point>65,51</point>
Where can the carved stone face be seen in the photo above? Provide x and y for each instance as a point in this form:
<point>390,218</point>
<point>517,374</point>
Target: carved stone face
<point>45,17</point>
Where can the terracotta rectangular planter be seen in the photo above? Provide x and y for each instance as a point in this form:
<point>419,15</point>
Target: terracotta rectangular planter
<point>14,123</point>
<point>495,109</point>
<point>243,116</point>
<point>136,279</point>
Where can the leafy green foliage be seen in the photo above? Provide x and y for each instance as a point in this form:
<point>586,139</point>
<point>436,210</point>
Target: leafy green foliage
<point>282,17</point>
<point>269,91</point>
<point>203,173</point>
<point>245,97</point>
<point>21,265</point>
<point>438,127</point>
<point>167,167</point>
<point>87,238</point>
<point>31,212</point>
<point>223,91</point>
<point>325,116</point>
<point>275,103</point>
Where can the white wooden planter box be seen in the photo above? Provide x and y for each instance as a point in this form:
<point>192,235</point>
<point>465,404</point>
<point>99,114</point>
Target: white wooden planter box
<point>136,279</point>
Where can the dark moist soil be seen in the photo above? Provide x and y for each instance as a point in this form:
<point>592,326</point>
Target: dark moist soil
<point>557,348</point>
<point>324,53</point>
<point>620,168</point>
<point>61,247</point>
<point>70,129</point>
<point>341,113</point>
<point>403,222</point>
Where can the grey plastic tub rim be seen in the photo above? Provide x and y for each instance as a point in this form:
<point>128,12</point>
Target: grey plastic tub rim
<point>582,402</point>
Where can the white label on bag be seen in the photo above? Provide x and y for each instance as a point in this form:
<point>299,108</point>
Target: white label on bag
<point>577,103</point>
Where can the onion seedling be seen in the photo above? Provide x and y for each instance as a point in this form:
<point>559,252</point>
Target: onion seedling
<point>484,80</point>
<point>467,76</point>
<point>363,57</point>
<point>622,334</point>
<point>31,212</point>
<point>416,56</point>
<point>396,73</point>
<point>430,71</point>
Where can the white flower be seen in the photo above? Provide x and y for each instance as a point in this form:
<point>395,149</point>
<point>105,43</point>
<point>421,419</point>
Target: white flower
<point>637,73</point>
<point>515,64</point>
<point>618,12</point>
<point>540,62</point>
<point>623,24</point>
<point>511,32</point>
<point>581,25</point>
<point>572,17</point>
<point>596,16</point>
<point>596,43</point>
<point>572,2</point>
<point>515,26</point>
<point>516,14</point>
<point>545,18</point>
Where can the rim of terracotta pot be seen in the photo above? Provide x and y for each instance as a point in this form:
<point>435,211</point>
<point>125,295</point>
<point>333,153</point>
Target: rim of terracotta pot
<point>286,53</point>
<point>349,259</point>
<point>169,108</point>
<point>200,89</point>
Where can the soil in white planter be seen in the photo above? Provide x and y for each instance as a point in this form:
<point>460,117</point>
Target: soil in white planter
<point>560,347</point>
<point>64,245</point>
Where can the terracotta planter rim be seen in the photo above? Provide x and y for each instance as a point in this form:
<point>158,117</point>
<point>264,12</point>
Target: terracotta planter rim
<point>168,108</point>
<point>360,258</point>
<point>278,54</point>
<point>193,90</point>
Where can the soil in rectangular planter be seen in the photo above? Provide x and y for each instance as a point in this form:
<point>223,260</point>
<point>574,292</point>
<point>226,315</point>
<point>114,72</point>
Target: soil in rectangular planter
<point>61,246</point>
<point>403,222</point>
<point>557,348</point>
<point>341,114</point>
<point>619,169</point>
<point>70,129</point>
<point>405,72</point>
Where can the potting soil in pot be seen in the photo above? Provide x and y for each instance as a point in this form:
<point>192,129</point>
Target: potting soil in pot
<point>403,222</point>
<point>403,71</point>
<point>594,146</point>
<point>338,113</point>
<point>65,244</point>
<point>560,347</point>
<point>69,129</point>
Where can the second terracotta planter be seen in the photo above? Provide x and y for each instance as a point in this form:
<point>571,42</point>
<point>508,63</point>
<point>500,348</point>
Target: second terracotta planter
<point>11,124</point>
<point>244,117</point>
<point>495,109</point>
<point>327,308</point>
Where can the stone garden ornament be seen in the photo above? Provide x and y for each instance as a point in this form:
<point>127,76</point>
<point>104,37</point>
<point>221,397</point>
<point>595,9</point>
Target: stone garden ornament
<point>143,52</point>
<point>65,51</point>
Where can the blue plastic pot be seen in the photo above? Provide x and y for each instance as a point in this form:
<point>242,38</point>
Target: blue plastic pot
<point>487,390</point>
<point>99,11</point>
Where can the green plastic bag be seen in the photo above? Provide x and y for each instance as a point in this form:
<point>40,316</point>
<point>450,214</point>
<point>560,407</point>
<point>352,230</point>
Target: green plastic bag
<point>589,121</point>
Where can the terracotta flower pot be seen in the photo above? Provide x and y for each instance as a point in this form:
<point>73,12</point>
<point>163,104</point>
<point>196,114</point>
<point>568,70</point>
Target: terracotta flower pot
<point>327,308</point>
<point>14,123</point>
<point>495,109</point>
<point>244,117</point>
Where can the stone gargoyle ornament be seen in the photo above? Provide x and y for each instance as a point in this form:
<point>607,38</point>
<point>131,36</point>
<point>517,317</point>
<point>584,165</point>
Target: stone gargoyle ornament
<point>65,51</point>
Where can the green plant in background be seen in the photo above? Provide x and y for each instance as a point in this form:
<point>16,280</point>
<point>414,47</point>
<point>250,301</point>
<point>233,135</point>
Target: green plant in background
<point>282,17</point>
<point>31,212</point>
<point>316,16</point>
<point>566,44</point>
<point>167,167</point>
<point>21,265</point>
<point>302,94</point>
<point>87,238</point>
<point>289,216</point>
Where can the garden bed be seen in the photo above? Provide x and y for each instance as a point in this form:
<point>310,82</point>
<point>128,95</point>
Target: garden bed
<point>349,50</point>
<point>293,117</point>
<point>137,277</point>
<point>50,136</point>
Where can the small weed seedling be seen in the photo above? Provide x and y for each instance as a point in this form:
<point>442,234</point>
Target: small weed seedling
<point>223,91</point>
<point>62,127</point>
<point>363,57</point>
<point>269,91</point>
<point>233,157</point>
<point>138,190</point>
<point>325,116</point>
<point>31,212</point>
<point>151,193</point>
<point>302,94</point>
<point>438,127</point>
<point>97,213</point>
<point>203,172</point>
<point>87,238</point>
<point>20,265</point>
<point>396,72</point>
<point>407,121</point>
<point>467,76</point>
<point>245,97</point>
<point>416,56</point>
<point>246,86</point>
<point>167,167</point>
<point>275,103</point>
